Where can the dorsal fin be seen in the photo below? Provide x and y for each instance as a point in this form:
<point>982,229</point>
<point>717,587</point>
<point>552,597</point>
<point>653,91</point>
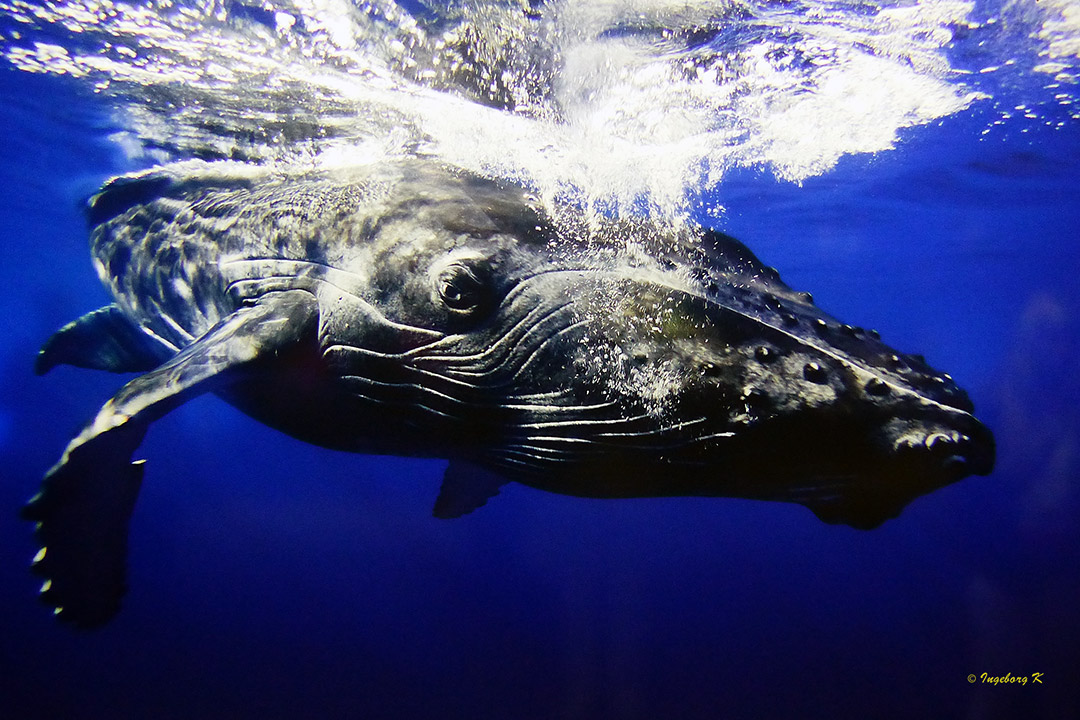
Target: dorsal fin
<point>103,340</point>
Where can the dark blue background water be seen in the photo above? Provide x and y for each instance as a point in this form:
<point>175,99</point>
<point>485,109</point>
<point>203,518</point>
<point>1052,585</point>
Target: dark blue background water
<point>270,579</point>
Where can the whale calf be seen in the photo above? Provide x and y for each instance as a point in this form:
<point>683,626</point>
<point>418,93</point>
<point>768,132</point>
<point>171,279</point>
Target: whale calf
<point>412,308</point>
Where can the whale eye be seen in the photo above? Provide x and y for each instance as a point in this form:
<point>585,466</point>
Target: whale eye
<point>461,287</point>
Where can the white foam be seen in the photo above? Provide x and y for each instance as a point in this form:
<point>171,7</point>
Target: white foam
<point>619,104</point>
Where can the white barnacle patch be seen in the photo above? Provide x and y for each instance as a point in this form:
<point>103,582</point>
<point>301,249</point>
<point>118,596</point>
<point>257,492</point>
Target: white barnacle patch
<point>905,436</point>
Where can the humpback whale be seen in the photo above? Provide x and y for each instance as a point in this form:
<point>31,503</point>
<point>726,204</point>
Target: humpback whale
<point>413,308</point>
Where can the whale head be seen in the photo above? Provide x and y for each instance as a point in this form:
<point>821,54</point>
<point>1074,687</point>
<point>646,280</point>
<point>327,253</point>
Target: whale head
<point>623,358</point>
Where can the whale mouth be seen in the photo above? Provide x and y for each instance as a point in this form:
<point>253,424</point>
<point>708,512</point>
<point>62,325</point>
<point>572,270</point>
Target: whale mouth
<point>920,461</point>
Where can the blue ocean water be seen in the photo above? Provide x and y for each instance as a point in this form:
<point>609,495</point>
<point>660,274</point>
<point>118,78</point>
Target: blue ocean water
<point>273,579</point>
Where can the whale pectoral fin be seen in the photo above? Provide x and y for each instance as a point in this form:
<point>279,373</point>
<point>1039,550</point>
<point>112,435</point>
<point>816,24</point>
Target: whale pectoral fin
<point>82,514</point>
<point>85,503</point>
<point>102,340</point>
<point>465,487</point>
